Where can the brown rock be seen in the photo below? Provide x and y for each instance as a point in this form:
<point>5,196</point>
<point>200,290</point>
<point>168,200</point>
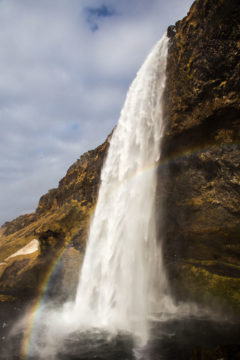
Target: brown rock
<point>199,176</point>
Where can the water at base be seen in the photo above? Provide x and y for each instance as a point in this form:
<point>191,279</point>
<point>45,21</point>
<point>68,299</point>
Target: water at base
<point>173,339</point>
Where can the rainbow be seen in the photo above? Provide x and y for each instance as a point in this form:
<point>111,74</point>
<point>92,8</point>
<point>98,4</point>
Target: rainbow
<point>35,310</point>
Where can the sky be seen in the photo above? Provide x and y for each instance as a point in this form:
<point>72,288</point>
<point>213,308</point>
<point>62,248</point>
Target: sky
<point>66,66</point>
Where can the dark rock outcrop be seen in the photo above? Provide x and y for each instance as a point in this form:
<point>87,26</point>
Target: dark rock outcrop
<point>199,176</point>
<point>20,222</point>
<point>225,352</point>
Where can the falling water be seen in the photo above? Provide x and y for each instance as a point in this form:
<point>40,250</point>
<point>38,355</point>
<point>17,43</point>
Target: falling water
<point>123,264</point>
<point>122,280</point>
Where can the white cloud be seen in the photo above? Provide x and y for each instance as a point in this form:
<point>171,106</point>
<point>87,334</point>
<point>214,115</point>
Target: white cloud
<point>62,85</point>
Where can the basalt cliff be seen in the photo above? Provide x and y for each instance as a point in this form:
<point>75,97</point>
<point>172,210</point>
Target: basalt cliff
<point>198,194</point>
<point>199,176</point>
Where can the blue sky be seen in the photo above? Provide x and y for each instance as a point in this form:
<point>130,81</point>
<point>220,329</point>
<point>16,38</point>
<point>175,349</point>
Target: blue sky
<point>65,67</point>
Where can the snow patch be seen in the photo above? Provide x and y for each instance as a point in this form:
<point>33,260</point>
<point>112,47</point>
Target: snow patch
<point>28,249</point>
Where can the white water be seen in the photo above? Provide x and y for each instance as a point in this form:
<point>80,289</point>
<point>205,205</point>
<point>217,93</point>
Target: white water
<point>123,266</point>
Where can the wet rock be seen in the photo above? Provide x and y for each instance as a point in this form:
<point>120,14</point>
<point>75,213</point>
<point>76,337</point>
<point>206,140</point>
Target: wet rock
<point>221,352</point>
<point>171,31</point>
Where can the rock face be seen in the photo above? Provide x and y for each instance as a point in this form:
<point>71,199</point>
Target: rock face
<point>199,176</point>
<point>60,224</point>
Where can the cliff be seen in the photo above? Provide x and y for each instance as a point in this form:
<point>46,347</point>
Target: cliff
<point>59,224</point>
<point>199,176</point>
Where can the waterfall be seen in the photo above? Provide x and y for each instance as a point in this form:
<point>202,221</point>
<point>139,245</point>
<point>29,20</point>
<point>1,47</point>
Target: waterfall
<point>122,284</point>
<point>123,261</point>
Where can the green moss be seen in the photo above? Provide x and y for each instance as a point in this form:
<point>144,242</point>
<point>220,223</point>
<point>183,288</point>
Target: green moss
<point>7,298</point>
<point>213,262</point>
<point>206,287</point>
